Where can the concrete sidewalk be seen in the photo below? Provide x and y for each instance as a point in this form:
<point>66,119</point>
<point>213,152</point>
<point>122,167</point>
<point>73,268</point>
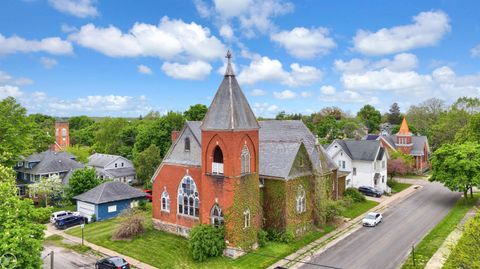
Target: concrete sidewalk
<point>304,254</point>
<point>440,257</point>
<point>108,252</point>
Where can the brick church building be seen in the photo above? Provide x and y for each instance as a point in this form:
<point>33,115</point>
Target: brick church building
<point>407,143</point>
<point>231,170</point>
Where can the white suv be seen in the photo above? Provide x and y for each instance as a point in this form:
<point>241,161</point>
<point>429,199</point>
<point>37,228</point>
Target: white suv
<point>59,214</point>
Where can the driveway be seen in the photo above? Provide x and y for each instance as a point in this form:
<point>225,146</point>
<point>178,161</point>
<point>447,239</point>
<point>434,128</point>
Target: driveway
<point>388,244</point>
<point>66,259</point>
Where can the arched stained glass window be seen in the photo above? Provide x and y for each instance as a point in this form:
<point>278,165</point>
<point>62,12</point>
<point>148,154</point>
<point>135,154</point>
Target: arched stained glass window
<point>301,200</point>
<point>188,199</point>
<point>165,206</point>
<point>216,216</point>
<point>245,158</point>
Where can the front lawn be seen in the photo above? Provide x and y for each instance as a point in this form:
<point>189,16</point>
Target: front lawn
<point>164,250</point>
<point>398,187</point>
<point>430,243</point>
<point>357,209</point>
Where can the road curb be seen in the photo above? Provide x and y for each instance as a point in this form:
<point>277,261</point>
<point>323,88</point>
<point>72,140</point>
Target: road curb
<point>305,254</point>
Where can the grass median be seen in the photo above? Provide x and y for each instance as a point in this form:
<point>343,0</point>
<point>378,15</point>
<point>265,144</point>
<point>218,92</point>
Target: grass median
<point>433,240</point>
<point>359,208</point>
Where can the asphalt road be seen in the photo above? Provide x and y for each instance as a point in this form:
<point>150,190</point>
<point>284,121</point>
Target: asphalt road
<point>387,245</point>
<point>66,259</point>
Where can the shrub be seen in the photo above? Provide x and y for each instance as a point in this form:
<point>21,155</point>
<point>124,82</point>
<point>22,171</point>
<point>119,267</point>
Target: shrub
<point>392,183</point>
<point>287,237</point>
<point>142,205</point>
<point>354,194</point>
<point>333,209</point>
<point>262,238</point>
<point>42,214</point>
<point>93,218</point>
<point>206,241</point>
<point>132,226</point>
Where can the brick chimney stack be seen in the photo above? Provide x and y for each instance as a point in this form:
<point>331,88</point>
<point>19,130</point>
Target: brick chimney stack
<point>62,136</point>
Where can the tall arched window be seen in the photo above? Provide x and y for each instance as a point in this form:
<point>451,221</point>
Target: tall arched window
<point>188,200</point>
<point>187,144</point>
<point>301,200</point>
<point>216,216</point>
<point>245,157</point>
<point>217,164</point>
<point>165,201</point>
<point>246,218</point>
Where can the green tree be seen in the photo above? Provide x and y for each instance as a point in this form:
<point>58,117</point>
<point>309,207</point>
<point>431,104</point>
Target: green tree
<point>42,131</point>
<point>47,187</point>
<point>394,115</point>
<point>146,162</point>
<point>80,122</point>
<point>370,117</point>
<point>196,112</point>
<point>15,131</point>
<point>20,234</point>
<point>447,126</point>
<point>471,131</point>
<point>81,181</point>
<point>425,115</point>
<point>108,136</point>
<point>81,153</point>
<point>158,131</point>
<point>468,247</point>
<point>457,166</point>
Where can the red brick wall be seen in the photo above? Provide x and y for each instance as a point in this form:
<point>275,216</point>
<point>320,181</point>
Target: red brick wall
<point>169,177</point>
<point>62,141</point>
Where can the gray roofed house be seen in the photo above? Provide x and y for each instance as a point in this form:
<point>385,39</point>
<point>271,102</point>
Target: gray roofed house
<point>107,200</point>
<point>45,164</point>
<point>364,150</point>
<point>112,167</point>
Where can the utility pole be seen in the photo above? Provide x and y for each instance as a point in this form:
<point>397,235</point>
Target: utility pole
<point>51,259</point>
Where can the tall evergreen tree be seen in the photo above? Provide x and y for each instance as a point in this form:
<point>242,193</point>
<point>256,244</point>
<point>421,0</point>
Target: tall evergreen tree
<point>394,115</point>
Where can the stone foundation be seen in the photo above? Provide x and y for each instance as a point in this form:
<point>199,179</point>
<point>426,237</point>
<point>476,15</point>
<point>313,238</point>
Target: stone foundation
<point>171,228</point>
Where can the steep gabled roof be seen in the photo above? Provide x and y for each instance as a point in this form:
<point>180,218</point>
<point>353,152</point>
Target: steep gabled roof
<point>362,150</point>
<point>101,160</point>
<point>229,109</point>
<point>404,130</point>
<point>110,192</point>
<point>51,162</point>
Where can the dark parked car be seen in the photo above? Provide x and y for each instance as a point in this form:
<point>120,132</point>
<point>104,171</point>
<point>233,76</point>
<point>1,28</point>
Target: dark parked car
<point>369,191</point>
<point>112,262</point>
<point>69,221</point>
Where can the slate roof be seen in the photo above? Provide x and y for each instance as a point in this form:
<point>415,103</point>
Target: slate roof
<point>110,192</point>
<point>121,172</point>
<point>361,150</point>
<point>229,109</point>
<point>101,160</point>
<point>50,162</point>
<point>279,141</point>
<point>418,142</point>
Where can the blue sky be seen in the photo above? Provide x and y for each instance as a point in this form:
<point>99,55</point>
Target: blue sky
<point>124,58</point>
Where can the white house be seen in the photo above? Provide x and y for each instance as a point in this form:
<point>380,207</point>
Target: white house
<point>113,167</point>
<point>365,161</point>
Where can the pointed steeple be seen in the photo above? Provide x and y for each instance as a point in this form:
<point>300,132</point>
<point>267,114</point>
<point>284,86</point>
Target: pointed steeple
<point>229,109</point>
<point>404,130</point>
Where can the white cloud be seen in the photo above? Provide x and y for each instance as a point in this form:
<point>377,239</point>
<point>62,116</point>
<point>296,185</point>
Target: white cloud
<point>258,92</point>
<point>451,86</point>
<point>252,16</point>
<point>386,79</point>
<point>226,31</point>
<point>48,63</point>
<point>168,40</point>
<point>266,69</point>
<point>475,51</point>
<point>196,70</point>
<point>286,94</point>
<point>305,94</point>
<point>301,42</point>
<point>427,30</point>
<point>78,8</point>
<point>349,97</point>
<point>303,75</point>
<point>401,62</point>
<point>9,90</point>
<point>68,28</point>
<point>327,90</point>
<point>6,78</point>
<point>52,45</point>
<point>265,109</point>
<point>144,69</point>
<point>353,66</point>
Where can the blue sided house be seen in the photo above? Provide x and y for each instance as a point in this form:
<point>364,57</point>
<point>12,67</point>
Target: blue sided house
<point>107,200</point>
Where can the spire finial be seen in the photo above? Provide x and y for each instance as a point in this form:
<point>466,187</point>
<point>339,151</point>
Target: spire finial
<point>229,71</point>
